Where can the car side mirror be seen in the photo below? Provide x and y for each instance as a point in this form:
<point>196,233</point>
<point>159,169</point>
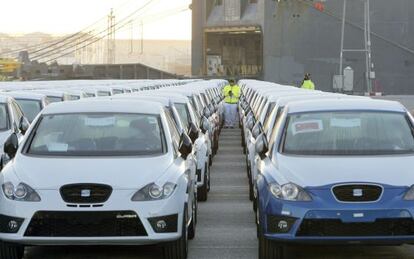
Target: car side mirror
<point>250,122</point>
<point>192,132</point>
<point>186,146</point>
<point>262,146</point>
<point>11,145</point>
<point>24,125</point>
<point>206,112</point>
<point>257,129</point>
<point>212,108</point>
<point>205,125</point>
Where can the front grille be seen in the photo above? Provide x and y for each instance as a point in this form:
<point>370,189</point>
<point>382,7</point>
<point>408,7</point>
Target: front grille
<point>85,193</point>
<point>337,228</point>
<point>357,193</point>
<point>85,224</point>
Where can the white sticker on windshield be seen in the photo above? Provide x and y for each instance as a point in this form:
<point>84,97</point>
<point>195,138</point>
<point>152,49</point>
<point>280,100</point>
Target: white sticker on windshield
<point>152,120</point>
<point>57,147</point>
<point>100,121</point>
<point>307,126</point>
<point>345,123</point>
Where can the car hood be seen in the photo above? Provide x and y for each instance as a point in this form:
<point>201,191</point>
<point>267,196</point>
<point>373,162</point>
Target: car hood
<point>120,173</point>
<point>322,171</point>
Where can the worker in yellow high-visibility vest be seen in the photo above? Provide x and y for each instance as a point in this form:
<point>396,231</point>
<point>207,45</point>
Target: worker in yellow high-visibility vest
<point>307,83</point>
<point>231,94</point>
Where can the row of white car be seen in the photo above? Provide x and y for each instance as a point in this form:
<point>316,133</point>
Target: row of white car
<point>326,168</point>
<point>116,169</point>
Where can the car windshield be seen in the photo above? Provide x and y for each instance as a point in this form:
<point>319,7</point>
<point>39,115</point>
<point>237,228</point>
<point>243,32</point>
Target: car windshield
<point>97,134</point>
<point>183,112</point>
<point>31,108</point>
<point>348,133</point>
<point>4,119</point>
<point>117,91</point>
<point>90,95</point>
<point>103,93</point>
<point>72,97</point>
<point>54,99</point>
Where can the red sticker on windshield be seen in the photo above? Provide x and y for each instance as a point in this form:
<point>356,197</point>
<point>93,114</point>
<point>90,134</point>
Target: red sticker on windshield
<point>307,126</point>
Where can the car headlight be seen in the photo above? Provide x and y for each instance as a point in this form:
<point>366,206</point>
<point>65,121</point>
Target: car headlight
<point>22,192</point>
<point>153,192</point>
<point>409,195</point>
<point>289,192</point>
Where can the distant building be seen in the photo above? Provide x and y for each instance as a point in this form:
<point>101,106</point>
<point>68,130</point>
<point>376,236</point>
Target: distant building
<point>281,40</point>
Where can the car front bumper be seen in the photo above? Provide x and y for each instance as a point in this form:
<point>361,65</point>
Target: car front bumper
<point>326,221</point>
<point>60,224</point>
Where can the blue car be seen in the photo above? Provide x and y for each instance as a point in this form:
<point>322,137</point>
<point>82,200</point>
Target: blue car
<point>336,172</point>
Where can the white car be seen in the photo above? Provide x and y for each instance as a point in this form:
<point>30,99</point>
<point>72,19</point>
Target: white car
<point>31,103</point>
<point>197,129</point>
<point>12,121</point>
<point>102,172</point>
<point>54,96</point>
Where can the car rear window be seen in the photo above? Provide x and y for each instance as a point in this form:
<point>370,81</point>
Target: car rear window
<point>97,134</point>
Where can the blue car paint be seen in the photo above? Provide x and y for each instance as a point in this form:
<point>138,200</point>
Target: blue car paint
<point>325,206</point>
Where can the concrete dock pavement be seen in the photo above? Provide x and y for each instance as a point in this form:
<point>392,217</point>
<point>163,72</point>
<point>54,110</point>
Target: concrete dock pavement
<point>226,226</point>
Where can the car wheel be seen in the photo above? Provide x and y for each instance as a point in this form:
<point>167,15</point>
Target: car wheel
<point>269,249</point>
<point>248,171</point>
<point>202,191</point>
<point>207,168</point>
<point>178,249</point>
<point>215,146</point>
<point>10,251</point>
<point>192,227</point>
<point>251,195</point>
<point>257,221</point>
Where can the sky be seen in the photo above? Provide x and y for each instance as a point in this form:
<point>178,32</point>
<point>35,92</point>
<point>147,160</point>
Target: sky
<point>69,16</point>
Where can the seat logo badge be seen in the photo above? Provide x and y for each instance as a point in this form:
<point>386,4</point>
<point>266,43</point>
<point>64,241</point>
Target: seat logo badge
<point>357,193</point>
<point>86,193</point>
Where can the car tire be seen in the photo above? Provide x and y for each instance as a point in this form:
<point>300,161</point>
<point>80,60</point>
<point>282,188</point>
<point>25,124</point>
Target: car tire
<point>251,194</point>
<point>269,249</point>
<point>178,249</point>
<point>248,171</point>
<point>255,201</point>
<point>202,191</point>
<point>207,168</point>
<point>192,227</point>
<point>11,251</point>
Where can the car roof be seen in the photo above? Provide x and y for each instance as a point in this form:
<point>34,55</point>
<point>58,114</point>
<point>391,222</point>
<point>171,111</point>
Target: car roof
<point>105,105</point>
<point>159,99</point>
<point>174,97</point>
<point>282,101</point>
<point>50,92</point>
<point>348,104</point>
<point>26,95</point>
<point>4,98</point>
